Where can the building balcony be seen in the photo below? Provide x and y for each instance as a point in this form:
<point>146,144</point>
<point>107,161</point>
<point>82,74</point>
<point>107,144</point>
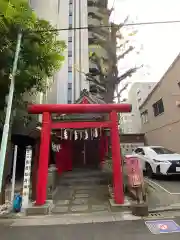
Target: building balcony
<point>98,3</point>
<point>98,50</point>
<point>102,32</point>
<point>95,11</point>
<point>93,21</point>
<point>95,37</point>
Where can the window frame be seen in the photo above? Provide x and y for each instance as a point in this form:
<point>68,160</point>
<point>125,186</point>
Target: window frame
<point>157,107</point>
<point>144,116</point>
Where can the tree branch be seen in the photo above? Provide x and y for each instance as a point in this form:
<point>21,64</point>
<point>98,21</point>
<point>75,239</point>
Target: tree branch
<point>128,73</point>
<point>125,53</point>
<point>122,90</point>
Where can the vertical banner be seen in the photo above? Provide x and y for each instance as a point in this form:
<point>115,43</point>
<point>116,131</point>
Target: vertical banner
<point>27,175</point>
<point>134,171</point>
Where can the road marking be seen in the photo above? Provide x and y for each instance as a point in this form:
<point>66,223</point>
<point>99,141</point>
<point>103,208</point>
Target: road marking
<point>158,185</point>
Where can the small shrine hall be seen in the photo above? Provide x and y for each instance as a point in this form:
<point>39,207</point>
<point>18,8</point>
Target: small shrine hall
<point>84,130</point>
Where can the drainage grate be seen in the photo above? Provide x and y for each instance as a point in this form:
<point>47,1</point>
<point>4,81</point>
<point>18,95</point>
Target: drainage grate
<point>154,216</point>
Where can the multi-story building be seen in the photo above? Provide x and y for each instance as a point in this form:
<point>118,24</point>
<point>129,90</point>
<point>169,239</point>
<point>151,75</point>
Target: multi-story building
<point>131,122</point>
<point>78,23</point>
<point>160,111</point>
<point>72,18</point>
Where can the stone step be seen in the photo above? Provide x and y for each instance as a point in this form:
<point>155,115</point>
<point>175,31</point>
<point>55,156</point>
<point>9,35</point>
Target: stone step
<point>83,182</point>
<point>82,174</point>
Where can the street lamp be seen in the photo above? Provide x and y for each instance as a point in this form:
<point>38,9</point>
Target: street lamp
<point>4,139</point>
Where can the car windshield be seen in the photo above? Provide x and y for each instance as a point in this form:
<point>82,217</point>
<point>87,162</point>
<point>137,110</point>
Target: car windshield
<point>159,150</point>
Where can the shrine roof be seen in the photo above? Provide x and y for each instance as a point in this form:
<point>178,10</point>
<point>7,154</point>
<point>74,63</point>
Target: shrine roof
<point>85,98</point>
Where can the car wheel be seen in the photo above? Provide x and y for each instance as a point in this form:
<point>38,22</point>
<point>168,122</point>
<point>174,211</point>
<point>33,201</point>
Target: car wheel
<point>149,171</point>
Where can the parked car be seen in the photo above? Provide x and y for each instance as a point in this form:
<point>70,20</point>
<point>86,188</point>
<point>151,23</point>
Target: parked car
<point>157,160</point>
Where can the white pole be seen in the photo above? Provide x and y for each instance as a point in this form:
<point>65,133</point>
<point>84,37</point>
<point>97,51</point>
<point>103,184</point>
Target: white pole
<point>8,111</point>
<point>14,172</point>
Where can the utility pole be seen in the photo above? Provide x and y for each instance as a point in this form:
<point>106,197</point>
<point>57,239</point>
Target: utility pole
<point>5,134</point>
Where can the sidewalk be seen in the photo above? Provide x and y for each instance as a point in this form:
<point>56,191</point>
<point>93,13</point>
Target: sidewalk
<point>135,230</point>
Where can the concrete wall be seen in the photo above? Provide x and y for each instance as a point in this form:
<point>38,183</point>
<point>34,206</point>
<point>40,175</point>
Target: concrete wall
<point>131,122</point>
<point>164,129</point>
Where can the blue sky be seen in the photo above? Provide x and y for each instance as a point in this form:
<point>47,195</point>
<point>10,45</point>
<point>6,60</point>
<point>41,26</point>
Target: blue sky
<point>159,44</point>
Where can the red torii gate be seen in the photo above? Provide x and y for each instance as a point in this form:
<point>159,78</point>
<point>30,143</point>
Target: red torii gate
<point>47,109</point>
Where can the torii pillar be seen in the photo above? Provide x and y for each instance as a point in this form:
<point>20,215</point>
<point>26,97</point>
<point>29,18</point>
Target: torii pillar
<point>47,109</point>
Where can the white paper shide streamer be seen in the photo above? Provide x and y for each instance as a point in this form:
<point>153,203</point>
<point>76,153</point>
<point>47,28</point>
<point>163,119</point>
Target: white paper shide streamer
<point>56,147</point>
<point>86,135</point>
<point>96,133</point>
<point>65,134</point>
<point>75,135</point>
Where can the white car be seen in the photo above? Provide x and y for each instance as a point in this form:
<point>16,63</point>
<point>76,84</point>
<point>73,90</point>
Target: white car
<point>157,160</point>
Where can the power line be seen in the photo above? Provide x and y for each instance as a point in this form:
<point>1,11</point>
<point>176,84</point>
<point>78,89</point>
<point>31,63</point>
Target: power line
<point>109,26</point>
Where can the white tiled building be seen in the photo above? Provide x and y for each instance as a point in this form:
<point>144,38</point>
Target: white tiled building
<point>78,15</point>
<point>131,122</point>
<point>64,14</point>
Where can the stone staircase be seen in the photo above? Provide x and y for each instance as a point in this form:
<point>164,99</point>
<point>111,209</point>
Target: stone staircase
<point>83,177</point>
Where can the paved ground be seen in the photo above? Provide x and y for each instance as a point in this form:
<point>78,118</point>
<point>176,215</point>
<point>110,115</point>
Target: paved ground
<point>170,184</point>
<point>82,191</point>
<point>164,191</point>
<point>100,231</point>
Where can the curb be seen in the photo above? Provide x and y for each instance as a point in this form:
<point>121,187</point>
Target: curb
<point>151,185</point>
<point>165,208</point>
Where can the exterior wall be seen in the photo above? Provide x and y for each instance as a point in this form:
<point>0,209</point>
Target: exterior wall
<point>80,48</point>
<point>131,122</point>
<point>57,12</point>
<point>164,129</point>
<point>129,142</point>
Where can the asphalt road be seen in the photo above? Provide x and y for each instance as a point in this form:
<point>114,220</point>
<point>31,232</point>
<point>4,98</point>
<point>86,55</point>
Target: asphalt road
<point>166,191</point>
<point>170,184</point>
<point>95,231</point>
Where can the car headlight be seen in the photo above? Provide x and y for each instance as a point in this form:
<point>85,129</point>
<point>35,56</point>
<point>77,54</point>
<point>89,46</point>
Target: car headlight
<point>158,161</point>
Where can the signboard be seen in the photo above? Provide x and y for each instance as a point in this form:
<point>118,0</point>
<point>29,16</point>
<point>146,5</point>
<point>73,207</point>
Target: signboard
<point>27,175</point>
<point>162,226</point>
<point>134,171</point>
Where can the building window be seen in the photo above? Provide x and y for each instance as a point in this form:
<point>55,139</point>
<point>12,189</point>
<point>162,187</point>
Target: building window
<point>139,100</point>
<point>69,53</point>
<point>69,92</point>
<point>70,8</point>
<point>144,116</point>
<point>69,46</point>
<point>70,77</point>
<point>158,107</point>
<point>138,91</point>
<point>70,61</point>
<point>69,49</point>
<point>70,19</point>
<point>70,36</point>
<point>69,85</point>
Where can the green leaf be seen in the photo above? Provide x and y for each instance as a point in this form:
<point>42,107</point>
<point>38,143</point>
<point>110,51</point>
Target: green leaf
<point>41,52</point>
